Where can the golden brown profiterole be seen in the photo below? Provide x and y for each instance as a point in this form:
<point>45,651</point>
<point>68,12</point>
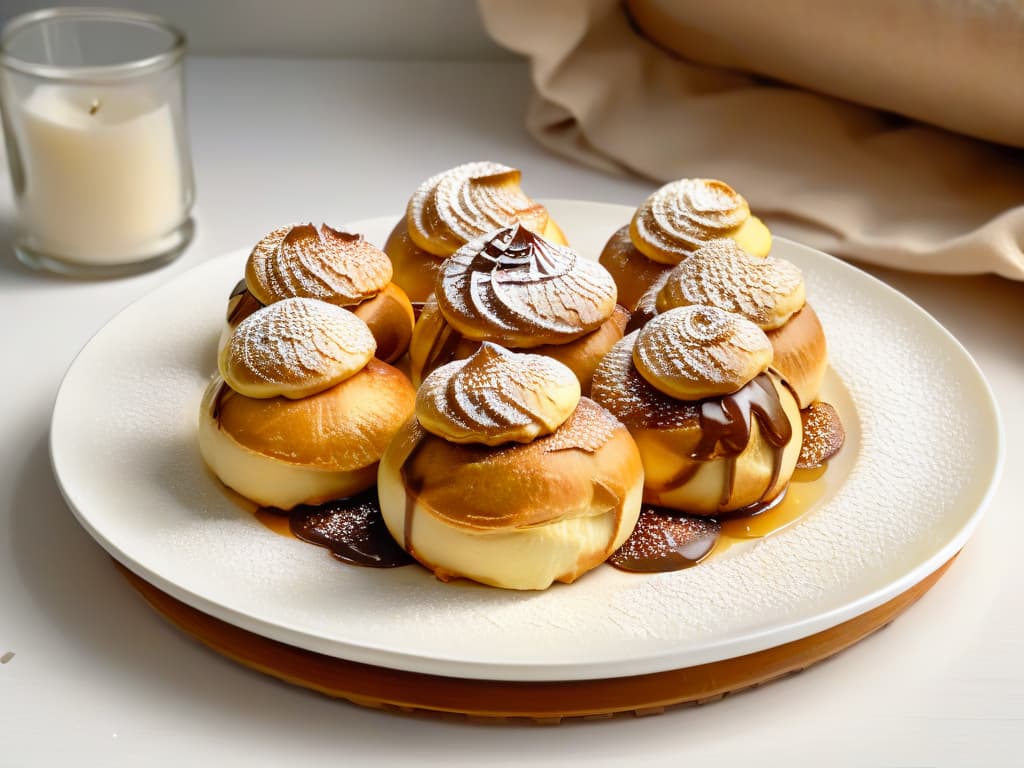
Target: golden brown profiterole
<point>770,292</point>
<point>453,207</point>
<point>341,268</point>
<point>514,288</point>
<point>507,476</point>
<point>718,430</point>
<point>670,225</point>
<point>302,410</point>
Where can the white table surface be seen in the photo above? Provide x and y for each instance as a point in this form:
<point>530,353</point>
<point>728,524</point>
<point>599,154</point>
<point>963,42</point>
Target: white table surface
<point>98,678</point>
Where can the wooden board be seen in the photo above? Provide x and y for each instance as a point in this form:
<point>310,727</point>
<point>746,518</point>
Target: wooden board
<point>546,702</point>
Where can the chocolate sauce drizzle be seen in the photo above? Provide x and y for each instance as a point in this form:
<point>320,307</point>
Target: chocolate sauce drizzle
<point>670,540</point>
<point>518,250</point>
<point>725,424</point>
<point>241,304</point>
<point>414,483</point>
<point>664,541</point>
<point>442,350</point>
<point>218,401</point>
<point>352,529</point>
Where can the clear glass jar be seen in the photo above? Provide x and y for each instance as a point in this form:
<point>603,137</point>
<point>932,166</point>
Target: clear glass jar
<point>92,102</point>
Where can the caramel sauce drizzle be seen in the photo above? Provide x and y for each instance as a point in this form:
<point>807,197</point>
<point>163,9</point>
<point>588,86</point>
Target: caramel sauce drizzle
<point>667,540</point>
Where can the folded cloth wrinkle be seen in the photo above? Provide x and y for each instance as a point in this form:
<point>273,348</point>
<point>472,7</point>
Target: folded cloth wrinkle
<point>860,182</point>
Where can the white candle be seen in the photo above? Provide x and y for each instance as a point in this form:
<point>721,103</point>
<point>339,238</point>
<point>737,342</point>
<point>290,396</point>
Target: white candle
<point>103,179</point>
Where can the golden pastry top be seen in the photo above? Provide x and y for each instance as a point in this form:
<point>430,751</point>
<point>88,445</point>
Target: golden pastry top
<point>497,396</point>
<point>460,204</point>
<point>515,288</point>
<point>619,387</point>
<point>766,291</point>
<point>695,352</point>
<point>327,264</point>
<point>683,215</point>
<point>295,348</point>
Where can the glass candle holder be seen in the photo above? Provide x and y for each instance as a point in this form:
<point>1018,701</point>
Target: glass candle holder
<point>92,102</point>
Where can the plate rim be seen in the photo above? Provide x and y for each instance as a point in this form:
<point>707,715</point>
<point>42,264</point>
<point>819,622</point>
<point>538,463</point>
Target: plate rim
<point>741,644</point>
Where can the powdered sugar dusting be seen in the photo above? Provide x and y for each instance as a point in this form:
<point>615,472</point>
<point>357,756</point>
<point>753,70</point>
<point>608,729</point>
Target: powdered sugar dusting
<point>326,264</point>
<point>823,435</point>
<point>765,291</point>
<point>905,489</point>
<point>682,215</point>
<point>497,396</point>
<point>294,343</point>
<point>513,287</point>
<point>622,390</point>
<point>588,428</point>
<point>700,351</point>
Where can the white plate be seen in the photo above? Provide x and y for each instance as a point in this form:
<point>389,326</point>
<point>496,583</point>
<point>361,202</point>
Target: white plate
<point>905,493</point>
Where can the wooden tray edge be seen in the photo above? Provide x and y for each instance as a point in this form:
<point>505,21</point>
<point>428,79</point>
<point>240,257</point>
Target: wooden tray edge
<point>542,702</point>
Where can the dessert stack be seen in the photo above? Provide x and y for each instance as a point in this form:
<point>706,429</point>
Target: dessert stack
<point>500,468</point>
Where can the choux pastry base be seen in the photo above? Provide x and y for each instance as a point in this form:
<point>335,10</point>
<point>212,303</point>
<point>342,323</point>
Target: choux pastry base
<point>518,516</point>
<point>390,318</point>
<point>801,354</point>
<point>633,272</point>
<point>722,483</point>
<point>281,453</point>
<point>270,481</point>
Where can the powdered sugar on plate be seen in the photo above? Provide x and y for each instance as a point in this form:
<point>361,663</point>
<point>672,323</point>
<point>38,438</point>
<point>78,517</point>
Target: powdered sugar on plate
<point>903,495</point>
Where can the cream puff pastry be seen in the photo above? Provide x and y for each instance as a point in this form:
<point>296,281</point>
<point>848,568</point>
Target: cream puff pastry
<point>340,268</point>
<point>769,292</point>
<point>507,476</point>
<point>514,288</point>
<point>718,430</point>
<point>670,225</point>
<point>452,208</point>
<point>303,410</point>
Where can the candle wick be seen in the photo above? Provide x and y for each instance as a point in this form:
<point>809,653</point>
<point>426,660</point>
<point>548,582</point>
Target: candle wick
<point>94,107</point>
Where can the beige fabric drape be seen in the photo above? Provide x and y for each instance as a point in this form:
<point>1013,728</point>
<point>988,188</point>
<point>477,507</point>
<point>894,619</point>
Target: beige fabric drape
<point>855,181</point>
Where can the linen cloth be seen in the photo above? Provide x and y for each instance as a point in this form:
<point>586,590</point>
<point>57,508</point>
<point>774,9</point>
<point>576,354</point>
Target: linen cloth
<point>762,96</point>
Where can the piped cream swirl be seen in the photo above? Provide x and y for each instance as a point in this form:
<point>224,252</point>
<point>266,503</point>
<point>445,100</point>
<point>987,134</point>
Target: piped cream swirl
<point>460,204</point>
<point>683,215</point>
<point>295,348</point>
<point>517,289</point>
<point>695,352</point>
<point>327,264</point>
<point>497,396</point>
<point>721,274</point>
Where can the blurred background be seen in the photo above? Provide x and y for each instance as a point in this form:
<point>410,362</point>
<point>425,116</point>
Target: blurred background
<point>395,29</point>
